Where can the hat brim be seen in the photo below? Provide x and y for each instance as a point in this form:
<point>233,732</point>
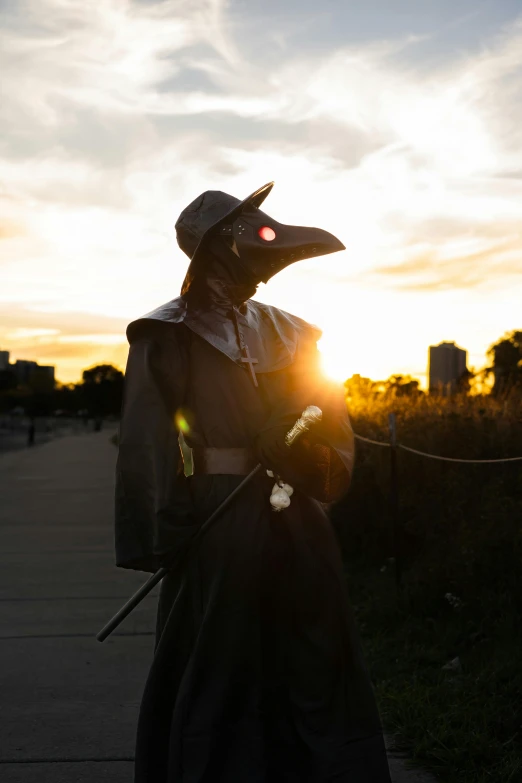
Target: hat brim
<point>255,199</point>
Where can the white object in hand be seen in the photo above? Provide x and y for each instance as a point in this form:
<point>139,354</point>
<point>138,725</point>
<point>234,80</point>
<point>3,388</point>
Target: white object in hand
<point>311,415</point>
<point>279,499</point>
<point>287,488</point>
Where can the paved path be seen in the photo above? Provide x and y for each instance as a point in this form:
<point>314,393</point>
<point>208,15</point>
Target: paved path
<point>69,704</point>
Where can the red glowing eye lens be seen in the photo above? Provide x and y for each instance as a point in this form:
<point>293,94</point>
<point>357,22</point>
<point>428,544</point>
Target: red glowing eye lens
<point>267,233</point>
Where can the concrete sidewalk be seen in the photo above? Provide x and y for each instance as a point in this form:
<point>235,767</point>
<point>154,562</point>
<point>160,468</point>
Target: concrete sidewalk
<point>69,704</point>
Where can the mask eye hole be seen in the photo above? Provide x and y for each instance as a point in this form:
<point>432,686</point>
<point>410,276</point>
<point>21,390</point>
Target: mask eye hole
<point>267,233</point>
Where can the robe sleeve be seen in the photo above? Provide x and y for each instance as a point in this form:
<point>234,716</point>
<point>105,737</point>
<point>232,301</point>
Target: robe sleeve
<point>319,463</point>
<point>154,515</point>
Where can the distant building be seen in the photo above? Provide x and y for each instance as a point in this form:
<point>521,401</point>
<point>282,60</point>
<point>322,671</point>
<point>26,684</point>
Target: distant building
<point>23,370</point>
<point>47,371</point>
<point>447,364</point>
<point>29,373</point>
<point>43,377</point>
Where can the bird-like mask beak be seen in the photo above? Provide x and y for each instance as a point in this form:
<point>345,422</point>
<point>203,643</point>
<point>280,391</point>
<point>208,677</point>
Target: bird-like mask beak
<point>266,247</point>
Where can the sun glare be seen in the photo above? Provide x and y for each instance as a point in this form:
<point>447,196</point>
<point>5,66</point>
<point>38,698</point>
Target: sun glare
<point>333,365</point>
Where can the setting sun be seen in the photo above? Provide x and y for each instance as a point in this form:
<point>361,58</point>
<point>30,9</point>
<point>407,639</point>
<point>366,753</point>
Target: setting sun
<point>333,364</point>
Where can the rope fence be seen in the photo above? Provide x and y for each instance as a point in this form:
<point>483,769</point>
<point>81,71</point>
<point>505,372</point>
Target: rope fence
<point>455,459</point>
<point>369,440</point>
<point>434,456</point>
<point>394,501</point>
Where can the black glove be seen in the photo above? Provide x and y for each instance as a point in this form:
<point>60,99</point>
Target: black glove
<point>292,463</point>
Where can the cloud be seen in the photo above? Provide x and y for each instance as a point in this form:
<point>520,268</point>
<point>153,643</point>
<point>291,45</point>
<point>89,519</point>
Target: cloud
<point>78,353</point>
<point>70,359</point>
<point>115,115</point>
<point>71,340</point>
<point>429,269</point>
<point>104,55</point>
<point>16,317</point>
<point>9,229</point>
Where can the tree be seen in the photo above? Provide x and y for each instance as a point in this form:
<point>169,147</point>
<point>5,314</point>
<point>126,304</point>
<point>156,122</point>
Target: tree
<point>464,382</point>
<point>402,386</point>
<point>101,390</point>
<point>357,386</point>
<point>506,357</point>
<point>102,373</point>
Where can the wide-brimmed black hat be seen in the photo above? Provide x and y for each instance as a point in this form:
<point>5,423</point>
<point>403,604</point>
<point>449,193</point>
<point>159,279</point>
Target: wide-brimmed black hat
<point>203,217</point>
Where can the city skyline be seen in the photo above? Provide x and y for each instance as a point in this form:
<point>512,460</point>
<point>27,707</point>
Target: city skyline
<point>120,350</point>
<point>396,129</point>
<point>8,362</point>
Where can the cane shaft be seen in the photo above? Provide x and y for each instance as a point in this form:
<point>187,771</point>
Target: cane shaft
<point>310,416</point>
<point>153,580</point>
<point>131,604</point>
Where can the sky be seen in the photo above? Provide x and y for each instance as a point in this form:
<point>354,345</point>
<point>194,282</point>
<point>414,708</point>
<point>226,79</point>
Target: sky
<point>396,125</point>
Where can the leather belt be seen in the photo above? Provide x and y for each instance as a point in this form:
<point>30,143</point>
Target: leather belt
<point>234,462</point>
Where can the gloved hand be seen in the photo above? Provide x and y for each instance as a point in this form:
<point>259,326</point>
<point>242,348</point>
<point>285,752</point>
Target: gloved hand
<point>271,448</point>
<point>292,463</point>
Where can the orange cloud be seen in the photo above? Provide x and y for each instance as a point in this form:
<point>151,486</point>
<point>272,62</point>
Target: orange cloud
<point>72,358</point>
<point>10,229</point>
<point>71,341</point>
<point>70,322</point>
<point>430,271</point>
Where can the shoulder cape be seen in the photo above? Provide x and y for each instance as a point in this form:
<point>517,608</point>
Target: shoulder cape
<point>272,335</point>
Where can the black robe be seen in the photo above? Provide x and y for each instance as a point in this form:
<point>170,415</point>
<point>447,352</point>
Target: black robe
<point>258,675</point>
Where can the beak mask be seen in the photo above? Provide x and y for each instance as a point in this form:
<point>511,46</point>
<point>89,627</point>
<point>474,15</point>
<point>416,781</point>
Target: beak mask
<point>250,245</point>
<point>265,247</point>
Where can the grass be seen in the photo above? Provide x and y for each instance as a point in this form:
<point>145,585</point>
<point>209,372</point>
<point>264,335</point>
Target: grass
<point>463,723</point>
<point>462,538</point>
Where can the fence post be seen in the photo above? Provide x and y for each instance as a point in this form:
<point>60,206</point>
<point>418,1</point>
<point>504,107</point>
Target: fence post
<point>394,501</point>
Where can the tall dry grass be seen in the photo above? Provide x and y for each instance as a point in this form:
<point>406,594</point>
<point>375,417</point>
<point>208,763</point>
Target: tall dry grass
<point>445,651</point>
<point>461,523</point>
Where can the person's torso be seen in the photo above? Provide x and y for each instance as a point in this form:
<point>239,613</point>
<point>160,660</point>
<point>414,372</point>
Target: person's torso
<point>223,407</point>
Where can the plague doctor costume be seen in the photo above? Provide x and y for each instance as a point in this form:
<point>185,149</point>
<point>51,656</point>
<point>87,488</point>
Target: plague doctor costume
<point>258,674</point>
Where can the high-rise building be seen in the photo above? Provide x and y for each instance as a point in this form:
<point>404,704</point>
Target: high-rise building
<point>447,364</point>
<point>38,376</point>
<point>43,377</point>
<point>4,360</point>
<point>23,369</point>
